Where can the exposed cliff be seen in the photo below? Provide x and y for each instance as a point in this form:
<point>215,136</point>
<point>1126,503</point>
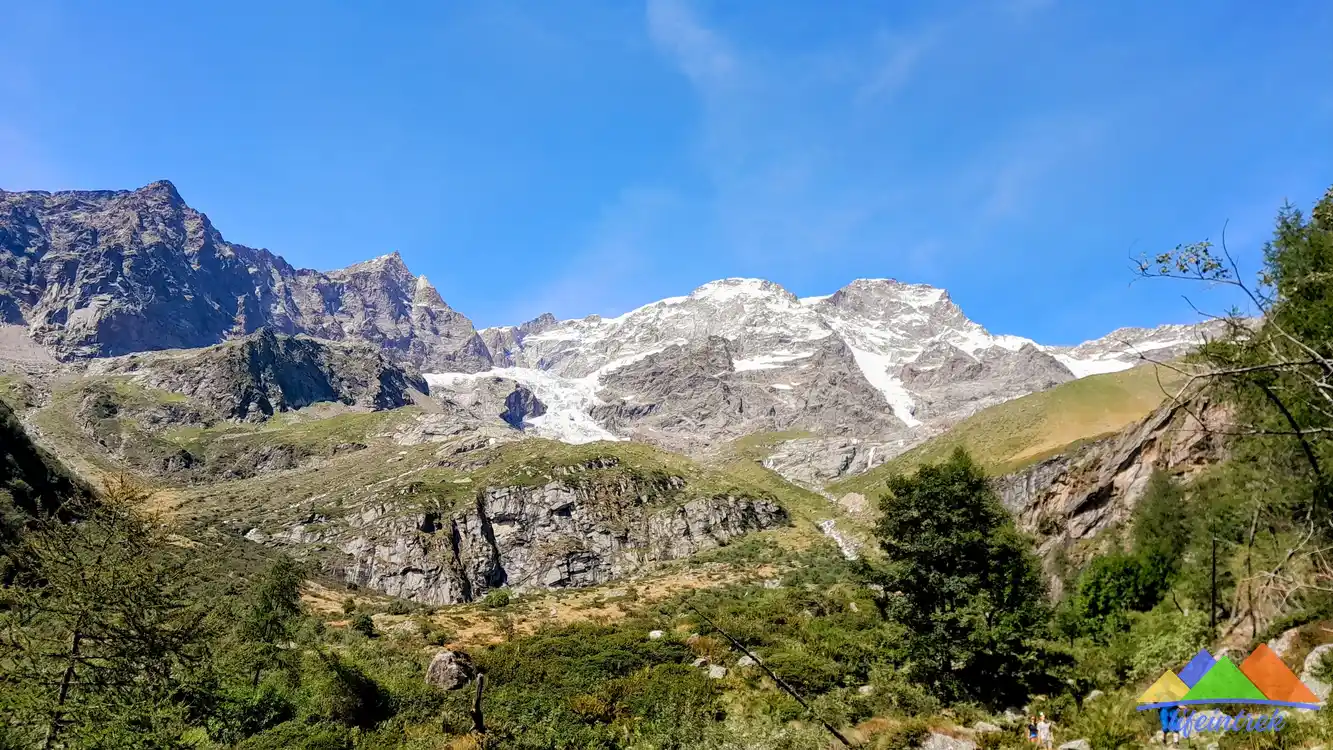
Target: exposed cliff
<point>532,514</point>
<point>1075,496</point>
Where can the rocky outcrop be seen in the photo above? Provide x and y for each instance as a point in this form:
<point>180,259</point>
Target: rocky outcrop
<point>520,405</point>
<point>104,273</point>
<point>1095,487</point>
<point>494,397</point>
<point>951,384</point>
<point>32,482</point>
<point>688,396</point>
<point>266,373</point>
<point>505,343</point>
<point>582,529</point>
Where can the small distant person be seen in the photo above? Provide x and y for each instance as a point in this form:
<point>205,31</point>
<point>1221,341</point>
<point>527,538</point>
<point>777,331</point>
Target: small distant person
<point>1045,737</point>
<point>1032,729</point>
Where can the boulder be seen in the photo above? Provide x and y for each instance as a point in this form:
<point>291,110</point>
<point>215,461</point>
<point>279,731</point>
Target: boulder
<point>866,690</point>
<point>450,670</point>
<point>654,635</point>
<point>745,661</point>
<point>717,672</point>
<point>1283,643</point>
<point>984,726</point>
<point>1076,745</point>
<point>1312,662</point>
<point>938,741</point>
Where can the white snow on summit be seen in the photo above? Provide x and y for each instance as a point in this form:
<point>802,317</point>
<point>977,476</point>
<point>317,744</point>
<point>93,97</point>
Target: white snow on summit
<point>769,361</point>
<point>884,323</point>
<point>1085,367</point>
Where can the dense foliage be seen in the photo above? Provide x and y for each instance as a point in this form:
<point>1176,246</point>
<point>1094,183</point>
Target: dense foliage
<point>965,585</point>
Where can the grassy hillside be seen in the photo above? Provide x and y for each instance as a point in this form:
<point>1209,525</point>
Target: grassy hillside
<point>1009,436</point>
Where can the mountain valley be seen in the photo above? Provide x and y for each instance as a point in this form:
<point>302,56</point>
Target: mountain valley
<point>138,339</point>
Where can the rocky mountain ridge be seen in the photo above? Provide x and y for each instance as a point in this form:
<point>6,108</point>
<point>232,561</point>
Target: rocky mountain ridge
<point>104,273</point>
<point>868,370</point>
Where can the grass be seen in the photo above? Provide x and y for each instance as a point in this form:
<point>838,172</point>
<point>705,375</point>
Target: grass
<point>284,429</point>
<point>1015,434</point>
<point>100,426</point>
<point>741,459</point>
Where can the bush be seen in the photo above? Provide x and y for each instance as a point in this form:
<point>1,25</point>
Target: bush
<point>807,672</point>
<point>907,735</point>
<point>1165,638</point>
<point>262,709</point>
<point>334,690</point>
<point>496,598</point>
<point>1112,722</point>
<point>299,736</point>
<point>363,624</point>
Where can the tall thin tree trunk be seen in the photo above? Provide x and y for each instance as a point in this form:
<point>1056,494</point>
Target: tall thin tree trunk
<point>478,723</point>
<point>53,729</point>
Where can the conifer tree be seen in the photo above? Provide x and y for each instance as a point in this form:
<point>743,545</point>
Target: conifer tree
<point>102,642</point>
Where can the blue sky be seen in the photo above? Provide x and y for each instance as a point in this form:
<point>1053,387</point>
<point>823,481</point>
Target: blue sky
<point>583,157</point>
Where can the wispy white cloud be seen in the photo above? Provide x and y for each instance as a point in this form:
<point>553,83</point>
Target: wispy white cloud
<point>900,56</point>
<point>700,52</point>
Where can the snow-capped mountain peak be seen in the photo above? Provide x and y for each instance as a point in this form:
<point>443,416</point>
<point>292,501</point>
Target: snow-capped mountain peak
<point>879,360</point>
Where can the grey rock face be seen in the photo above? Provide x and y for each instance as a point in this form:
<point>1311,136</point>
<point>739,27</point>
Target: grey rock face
<point>450,670</point>
<point>951,384</point>
<point>696,393</point>
<point>521,404</point>
<point>563,534</point>
<point>1077,496</point>
<point>506,342</point>
<point>103,273</point>
<point>265,373</point>
<point>496,396</point>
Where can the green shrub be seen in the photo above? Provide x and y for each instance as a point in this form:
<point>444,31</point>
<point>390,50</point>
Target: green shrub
<point>363,624</point>
<point>1165,638</point>
<point>337,691</point>
<point>906,735</point>
<point>1112,722</point>
<point>300,736</point>
<point>496,598</point>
